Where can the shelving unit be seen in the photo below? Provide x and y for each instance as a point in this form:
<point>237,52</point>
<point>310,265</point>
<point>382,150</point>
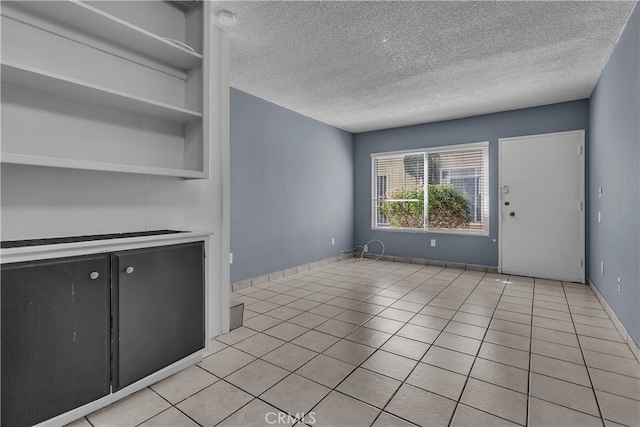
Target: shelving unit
<point>87,18</point>
<point>77,90</point>
<point>84,89</point>
<point>56,162</point>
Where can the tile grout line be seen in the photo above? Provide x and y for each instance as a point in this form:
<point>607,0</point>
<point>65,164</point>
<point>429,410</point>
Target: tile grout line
<point>586,367</point>
<point>395,334</point>
<point>381,410</point>
<point>361,325</point>
<point>199,367</point>
<point>293,372</point>
<point>376,349</point>
<point>405,291</point>
<point>533,298</point>
<point>475,358</point>
<point>574,363</point>
<point>457,311</point>
<point>431,345</point>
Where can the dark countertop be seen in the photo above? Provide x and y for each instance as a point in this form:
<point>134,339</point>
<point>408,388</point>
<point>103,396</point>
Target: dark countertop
<point>72,239</point>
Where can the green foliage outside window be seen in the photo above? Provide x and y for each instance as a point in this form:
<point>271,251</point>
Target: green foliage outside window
<point>405,214</point>
<point>448,208</point>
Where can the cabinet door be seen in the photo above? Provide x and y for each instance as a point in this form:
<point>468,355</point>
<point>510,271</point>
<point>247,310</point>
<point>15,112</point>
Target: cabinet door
<point>55,337</point>
<point>158,309</point>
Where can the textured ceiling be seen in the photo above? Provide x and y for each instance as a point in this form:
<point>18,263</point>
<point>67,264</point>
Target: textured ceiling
<point>364,66</point>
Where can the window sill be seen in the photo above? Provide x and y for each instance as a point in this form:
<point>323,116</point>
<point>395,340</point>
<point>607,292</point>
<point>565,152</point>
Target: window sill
<point>480,233</point>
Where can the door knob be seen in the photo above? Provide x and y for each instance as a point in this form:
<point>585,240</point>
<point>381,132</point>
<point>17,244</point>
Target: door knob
<point>512,214</point>
<point>129,270</point>
<point>94,275</point>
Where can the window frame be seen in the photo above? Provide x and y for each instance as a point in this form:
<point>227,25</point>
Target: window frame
<point>425,152</point>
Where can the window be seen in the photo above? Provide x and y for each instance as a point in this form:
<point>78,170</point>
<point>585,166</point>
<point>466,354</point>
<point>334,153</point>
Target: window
<point>443,188</point>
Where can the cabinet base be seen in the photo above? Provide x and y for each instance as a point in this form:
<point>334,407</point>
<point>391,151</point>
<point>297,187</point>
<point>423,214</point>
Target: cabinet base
<point>89,408</point>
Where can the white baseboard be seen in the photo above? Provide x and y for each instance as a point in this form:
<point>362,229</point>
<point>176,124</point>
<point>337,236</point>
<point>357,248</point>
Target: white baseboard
<point>288,272</point>
<point>422,261</point>
<point>616,322</point>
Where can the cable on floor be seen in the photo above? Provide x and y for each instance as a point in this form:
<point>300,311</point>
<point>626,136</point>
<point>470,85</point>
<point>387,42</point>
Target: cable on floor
<point>363,247</point>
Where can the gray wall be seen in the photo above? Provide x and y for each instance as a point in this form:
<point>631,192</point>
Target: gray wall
<point>291,188</point>
<point>481,250</point>
<point>614,164</point>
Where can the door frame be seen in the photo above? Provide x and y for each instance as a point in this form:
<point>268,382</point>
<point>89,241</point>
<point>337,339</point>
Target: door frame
<point>583,207</point>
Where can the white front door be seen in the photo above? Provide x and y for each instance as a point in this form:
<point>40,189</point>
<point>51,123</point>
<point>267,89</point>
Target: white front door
<point>542,205</point>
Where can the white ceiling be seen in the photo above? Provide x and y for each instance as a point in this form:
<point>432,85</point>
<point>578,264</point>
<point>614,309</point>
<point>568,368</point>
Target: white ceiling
<point>364,66</point>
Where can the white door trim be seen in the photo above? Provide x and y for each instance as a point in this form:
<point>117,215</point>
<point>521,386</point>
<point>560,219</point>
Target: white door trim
<point>581,132</point>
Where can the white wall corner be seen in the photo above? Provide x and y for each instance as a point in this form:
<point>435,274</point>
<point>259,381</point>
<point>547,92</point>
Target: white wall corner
<point>209,198</point>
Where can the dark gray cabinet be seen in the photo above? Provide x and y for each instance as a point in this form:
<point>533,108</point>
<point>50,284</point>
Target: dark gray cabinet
<point>75,329</point>
<point>158,308</point>
<point>55,336</point>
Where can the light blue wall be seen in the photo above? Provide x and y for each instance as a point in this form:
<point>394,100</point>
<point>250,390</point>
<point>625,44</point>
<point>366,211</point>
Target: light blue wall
<point>481,250</point>
<point>291,188</point>
<point>614,165</point>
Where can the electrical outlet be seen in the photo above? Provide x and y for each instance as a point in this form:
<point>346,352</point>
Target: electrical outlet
<point>230,257</point>
<point>618,284</point>
<point>333,241</point>
<point>433,243</point>
<point>366,248</point>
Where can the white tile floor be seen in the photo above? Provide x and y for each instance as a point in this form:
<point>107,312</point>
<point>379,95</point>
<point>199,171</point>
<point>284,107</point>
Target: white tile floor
<point>378,343</point>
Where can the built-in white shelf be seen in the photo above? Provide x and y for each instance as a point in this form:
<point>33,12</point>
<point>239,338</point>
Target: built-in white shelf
<point>83,89</point>
<point>65,87</point>
<point>87,18</point>
<point>58,162</point>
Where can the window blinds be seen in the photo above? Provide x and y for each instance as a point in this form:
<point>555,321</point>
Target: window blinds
<point>443,188</point>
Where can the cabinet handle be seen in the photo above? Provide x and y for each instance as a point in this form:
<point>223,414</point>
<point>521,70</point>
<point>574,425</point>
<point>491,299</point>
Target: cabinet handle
<point>94,275</point>
<point>129,270</point>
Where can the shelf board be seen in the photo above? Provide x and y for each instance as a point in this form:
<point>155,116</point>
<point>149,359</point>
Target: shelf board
<point>25,159</point>
<point>64,87</point>
<point>87,18</point>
